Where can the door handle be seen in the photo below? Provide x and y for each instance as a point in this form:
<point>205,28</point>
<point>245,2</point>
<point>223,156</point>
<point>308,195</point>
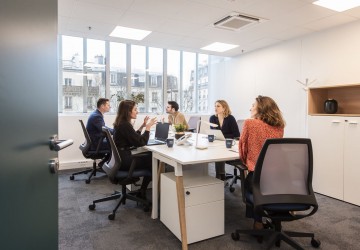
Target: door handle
<point>56,145</point>
<point>53,165</point>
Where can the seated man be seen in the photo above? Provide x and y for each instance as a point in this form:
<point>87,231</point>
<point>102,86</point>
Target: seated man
<point>96,122</point>
<point>175,117</point>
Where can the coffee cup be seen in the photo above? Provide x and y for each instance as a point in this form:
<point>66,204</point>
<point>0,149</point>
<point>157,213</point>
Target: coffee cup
<point>170,142</point>
<point>230,142</point>
<point>211,138</point>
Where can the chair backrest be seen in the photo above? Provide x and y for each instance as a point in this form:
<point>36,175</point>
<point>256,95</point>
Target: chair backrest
<point>193,122</point>
<point>111,167</point>
<point>240,124</point>
<point>85,146</point>
<point>283,173</point>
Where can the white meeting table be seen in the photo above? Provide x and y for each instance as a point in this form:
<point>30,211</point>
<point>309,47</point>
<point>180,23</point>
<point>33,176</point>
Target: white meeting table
<point>178,156</point>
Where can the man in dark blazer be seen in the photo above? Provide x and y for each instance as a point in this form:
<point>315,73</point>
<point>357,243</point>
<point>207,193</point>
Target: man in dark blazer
<point>96,122</point>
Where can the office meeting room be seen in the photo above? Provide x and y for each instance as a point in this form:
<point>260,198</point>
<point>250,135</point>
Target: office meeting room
<point>179,124</point>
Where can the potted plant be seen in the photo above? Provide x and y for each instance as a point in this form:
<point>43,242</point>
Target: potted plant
<point>179,130</point>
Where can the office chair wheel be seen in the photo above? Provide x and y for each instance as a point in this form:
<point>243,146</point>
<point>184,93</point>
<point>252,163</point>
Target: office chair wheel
<point>111,216</point>
<point>91,206</point>
<point>72,177</point>
<point>235,236</point>
<point>232,189</point>
<point>315,243</point>
<point>87,181</point>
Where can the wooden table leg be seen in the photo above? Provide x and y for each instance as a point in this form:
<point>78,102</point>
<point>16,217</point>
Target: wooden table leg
<point>181,206</point>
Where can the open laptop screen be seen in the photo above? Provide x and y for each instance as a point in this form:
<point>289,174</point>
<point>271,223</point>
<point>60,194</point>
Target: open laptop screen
<point>218,134</point>
<point>162,131</point>
<point>161,134</point>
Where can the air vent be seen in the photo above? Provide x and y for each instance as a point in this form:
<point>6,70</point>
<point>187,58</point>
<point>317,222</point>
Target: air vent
<point>236,21</point>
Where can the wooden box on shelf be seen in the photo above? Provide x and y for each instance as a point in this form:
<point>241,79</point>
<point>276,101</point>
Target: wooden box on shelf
<point>347,96</point>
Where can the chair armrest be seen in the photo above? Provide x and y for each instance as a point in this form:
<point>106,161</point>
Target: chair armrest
<point>100,142</point>
<point>135,158</point>
<point>243,171</point>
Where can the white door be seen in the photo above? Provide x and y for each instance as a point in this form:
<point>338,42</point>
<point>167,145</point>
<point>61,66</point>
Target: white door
<point>352,160</point>
<point>327,136</point>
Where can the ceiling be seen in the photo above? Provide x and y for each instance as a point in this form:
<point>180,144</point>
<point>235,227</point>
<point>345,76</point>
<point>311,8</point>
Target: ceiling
<point>188,24</point>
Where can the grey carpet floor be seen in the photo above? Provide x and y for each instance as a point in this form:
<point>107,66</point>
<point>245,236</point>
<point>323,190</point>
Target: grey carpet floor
<point>336,224</point>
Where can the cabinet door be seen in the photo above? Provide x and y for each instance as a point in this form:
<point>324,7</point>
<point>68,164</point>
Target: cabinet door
<point>352,160</point>
<point>327,136</point>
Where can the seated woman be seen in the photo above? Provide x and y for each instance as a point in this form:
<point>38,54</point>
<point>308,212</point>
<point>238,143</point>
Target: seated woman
<point>125,138</point>
<point>266,122</point>
<point>228,126</point>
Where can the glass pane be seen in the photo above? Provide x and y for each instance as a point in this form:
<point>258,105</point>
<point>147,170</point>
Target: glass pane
<point>155,82</point>
<point>138,56</point>
<point>188,82</point>
<point>118,80</point>
<point>203,83</point>
<point>94,73</point>
<point>70,92</point>
<point>173,77</point>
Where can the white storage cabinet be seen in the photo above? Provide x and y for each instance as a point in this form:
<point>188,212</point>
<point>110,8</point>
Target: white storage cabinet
<point>204,206</point>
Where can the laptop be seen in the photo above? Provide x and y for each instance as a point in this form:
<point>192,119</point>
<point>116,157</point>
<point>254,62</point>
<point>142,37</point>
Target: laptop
<point>218,134</point>
<point>161,134</point>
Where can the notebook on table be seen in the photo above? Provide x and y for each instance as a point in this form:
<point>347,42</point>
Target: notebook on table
<point>161,134</point>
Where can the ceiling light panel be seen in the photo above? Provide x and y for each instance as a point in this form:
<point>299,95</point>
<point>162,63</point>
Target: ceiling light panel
<point>219,47</point>
<point>338,5</point>
<point>129,33</point>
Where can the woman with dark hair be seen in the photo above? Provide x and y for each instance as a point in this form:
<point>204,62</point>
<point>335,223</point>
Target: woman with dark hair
<point>266,122</point>
<point>228,126</point>
<point>126,138</point>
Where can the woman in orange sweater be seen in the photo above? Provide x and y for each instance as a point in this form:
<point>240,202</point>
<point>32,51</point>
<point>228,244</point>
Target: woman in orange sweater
<point>266,122</point>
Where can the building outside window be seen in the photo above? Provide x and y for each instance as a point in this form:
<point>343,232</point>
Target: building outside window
<point>189,82</point>
<point>118,83</point>
<point>90,103</point>
<point>135,71</point>
<point>68,81</point>
<point>155,83</point>
<point>68,102</point>
<point>173,77</point>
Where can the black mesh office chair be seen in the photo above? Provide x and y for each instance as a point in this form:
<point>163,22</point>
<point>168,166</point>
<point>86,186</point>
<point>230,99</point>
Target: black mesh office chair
<point>123,178</point>
<point>192,124</point>
<point>236,163</point>
<point>282,190</point>
<point>90,154</point>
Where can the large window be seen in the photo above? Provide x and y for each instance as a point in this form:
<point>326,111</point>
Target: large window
<point>71,86</point>
<point>188,82</point>
<point>118,77</point>
<point>91,69</point>
<point>173,76</point>
<point>202,82</point>
<point>155,82</point>
<point>138,62</point>
<point>94,71</point>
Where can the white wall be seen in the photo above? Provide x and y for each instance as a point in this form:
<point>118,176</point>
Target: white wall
<point>330,57</point>
<point>69,128</point>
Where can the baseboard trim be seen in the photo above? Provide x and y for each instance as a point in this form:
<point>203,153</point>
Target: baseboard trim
<point>75,165</point>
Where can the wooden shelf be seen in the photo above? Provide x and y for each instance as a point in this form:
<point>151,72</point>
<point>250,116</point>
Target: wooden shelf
<point>347,96</point>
